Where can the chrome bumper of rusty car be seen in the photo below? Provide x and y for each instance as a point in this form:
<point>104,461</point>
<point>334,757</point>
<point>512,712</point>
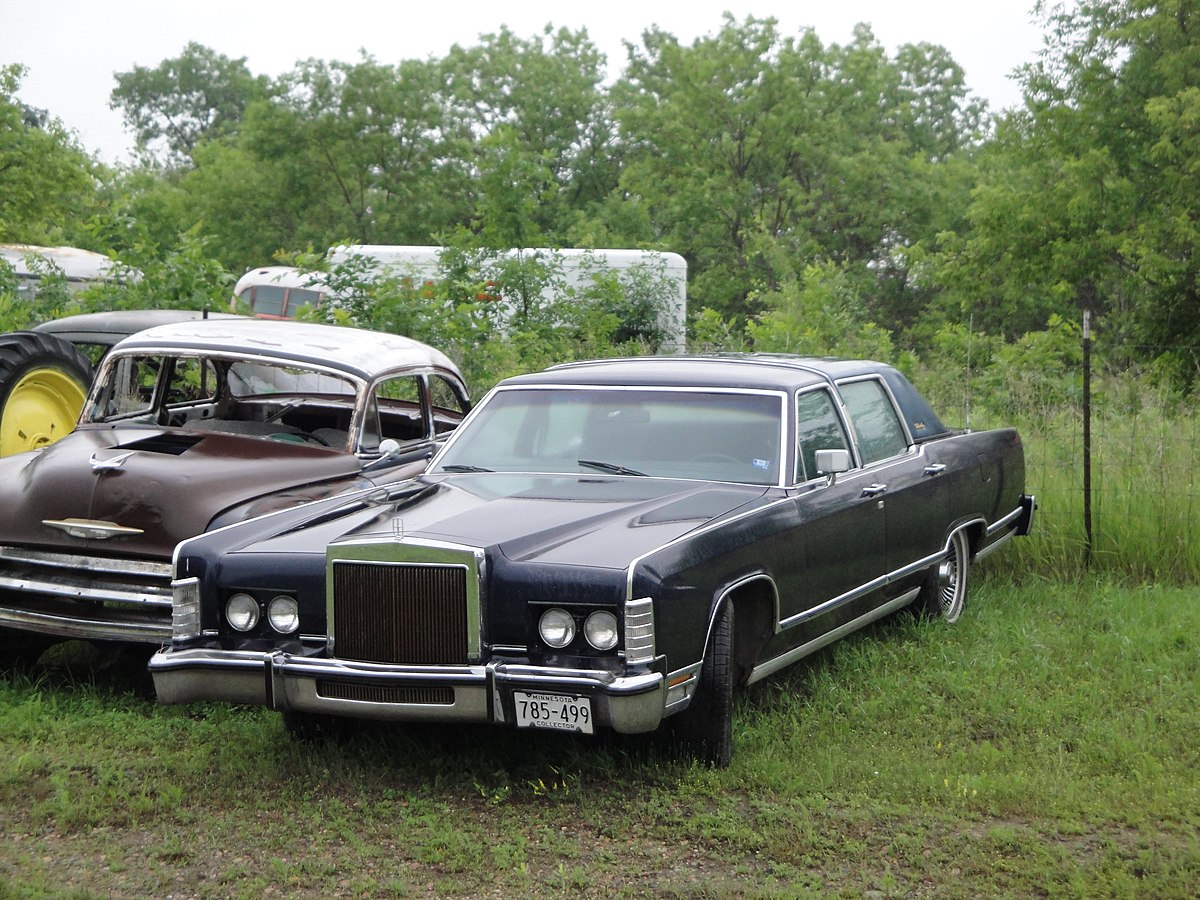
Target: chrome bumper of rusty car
<point>472,693</point>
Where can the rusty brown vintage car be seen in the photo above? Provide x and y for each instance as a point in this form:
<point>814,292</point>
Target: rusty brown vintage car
<point>194,426</point>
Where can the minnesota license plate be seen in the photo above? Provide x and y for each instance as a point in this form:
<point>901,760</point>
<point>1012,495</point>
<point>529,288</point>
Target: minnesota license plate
<point>561,711</point>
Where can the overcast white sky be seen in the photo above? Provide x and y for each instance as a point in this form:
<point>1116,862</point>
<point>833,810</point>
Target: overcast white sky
<point>71,48</point>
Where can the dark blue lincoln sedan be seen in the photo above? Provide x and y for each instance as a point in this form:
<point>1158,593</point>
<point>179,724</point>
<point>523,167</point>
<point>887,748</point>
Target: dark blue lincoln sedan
<point>606,545</point>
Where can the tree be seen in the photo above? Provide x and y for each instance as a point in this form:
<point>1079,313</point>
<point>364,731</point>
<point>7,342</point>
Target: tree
<point>762,154</point>
<point>47,182</point>
<point>1089,197</point>
<point>543,144</point>
<point>181,102</point>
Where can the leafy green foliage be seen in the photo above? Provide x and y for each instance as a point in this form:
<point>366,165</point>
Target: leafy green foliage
<point>1088,195</point>
<point>47,183</point>
<point>819,316</point>
<point>763,154</point>
<point>182,102</point>
<point>828,198</point>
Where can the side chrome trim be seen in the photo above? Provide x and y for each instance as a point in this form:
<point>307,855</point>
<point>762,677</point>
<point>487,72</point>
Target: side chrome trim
<point>862,590</point>
<point>1004,522</point>
<point>762,670</point>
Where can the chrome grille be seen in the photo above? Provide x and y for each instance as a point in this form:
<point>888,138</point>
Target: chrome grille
<point>98,578</point>
<point>91,597</point>
<point>400,613</point>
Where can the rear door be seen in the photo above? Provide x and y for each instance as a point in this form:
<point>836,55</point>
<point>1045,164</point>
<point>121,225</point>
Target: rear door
<point>906,486</point>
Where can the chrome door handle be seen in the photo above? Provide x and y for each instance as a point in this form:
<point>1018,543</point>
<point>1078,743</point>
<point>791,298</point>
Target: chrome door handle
<point>874,490</point>
<point>935,468</point>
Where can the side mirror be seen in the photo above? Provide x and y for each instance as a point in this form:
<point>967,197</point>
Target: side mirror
<point>389,452</point>
<point>831,462</point>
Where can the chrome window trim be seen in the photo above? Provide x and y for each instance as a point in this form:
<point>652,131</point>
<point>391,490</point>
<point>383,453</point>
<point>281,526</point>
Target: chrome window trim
<point>839,407</point>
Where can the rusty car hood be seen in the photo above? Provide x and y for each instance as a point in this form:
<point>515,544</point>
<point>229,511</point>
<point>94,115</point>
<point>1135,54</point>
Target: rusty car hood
<point>157,486</point>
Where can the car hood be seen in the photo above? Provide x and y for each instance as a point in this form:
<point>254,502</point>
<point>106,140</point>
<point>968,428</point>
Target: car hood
<point>162,484</point>
<point>601,522</point>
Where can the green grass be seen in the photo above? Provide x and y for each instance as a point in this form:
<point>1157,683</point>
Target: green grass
<point>1045,745</point>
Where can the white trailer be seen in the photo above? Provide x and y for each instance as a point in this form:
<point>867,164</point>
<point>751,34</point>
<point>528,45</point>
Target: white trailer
<point>78,268</point>
<point>281,291</point>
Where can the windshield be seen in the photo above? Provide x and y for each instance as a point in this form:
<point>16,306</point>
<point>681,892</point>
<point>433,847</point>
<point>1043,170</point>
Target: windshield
<point>258,399</point>
<point>672,433</point>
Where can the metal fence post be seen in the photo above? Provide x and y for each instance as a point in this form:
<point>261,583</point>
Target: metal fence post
<point>1087,438</point>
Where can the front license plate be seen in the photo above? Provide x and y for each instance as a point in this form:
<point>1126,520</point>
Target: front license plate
<point>559,711</point>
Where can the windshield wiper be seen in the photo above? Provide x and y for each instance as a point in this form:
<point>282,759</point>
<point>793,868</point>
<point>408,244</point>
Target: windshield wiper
<point>463,468</point>
<point>608,467</point>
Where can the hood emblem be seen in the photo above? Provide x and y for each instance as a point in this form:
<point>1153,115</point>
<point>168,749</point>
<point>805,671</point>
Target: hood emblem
<point>112,462</point>
<point>92,529</point>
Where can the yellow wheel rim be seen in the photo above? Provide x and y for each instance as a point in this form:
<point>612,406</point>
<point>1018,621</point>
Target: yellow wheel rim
<point>41,407</point>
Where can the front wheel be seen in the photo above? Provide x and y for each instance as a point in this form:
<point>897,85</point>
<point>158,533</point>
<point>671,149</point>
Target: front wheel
<point>705,729</point>
<point>945,591</point>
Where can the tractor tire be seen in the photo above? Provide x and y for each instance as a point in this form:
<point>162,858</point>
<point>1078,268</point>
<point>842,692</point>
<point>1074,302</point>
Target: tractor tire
<point>44,381</point>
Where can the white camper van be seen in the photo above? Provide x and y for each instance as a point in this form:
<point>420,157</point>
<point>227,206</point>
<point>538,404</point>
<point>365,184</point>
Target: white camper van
<point>29,264</point>
<point>282,291</point>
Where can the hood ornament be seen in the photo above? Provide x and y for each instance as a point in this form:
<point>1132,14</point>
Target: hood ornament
<point>92,529</point>
<point>112,462</point>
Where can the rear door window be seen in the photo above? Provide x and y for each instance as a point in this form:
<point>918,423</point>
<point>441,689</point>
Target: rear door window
<point>880,432</point>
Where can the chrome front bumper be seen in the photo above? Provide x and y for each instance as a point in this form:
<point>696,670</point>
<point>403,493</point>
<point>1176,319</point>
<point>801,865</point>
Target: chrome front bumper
<point>481,693</point>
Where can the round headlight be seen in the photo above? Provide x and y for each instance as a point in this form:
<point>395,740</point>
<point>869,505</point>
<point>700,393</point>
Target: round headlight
<point>556,627</point>
<point>284,614</point>
<point>600,629</point>
<point>241,611</point>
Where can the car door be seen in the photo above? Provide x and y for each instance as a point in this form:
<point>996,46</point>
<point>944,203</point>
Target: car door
<point>903,479</point>
<point>844,528</point>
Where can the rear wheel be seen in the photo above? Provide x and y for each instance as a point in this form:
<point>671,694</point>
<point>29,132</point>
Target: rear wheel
<point>945,591</point>
<point>44,381</point>
<point>705,729</point>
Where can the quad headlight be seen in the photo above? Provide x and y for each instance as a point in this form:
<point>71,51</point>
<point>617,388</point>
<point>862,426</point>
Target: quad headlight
<point>242,612</point>
<point>284,614</point>
<point>556,628</point>
<point>600,629</point>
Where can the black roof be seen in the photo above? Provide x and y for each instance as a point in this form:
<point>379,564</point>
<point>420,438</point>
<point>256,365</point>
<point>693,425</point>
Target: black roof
<point>749,371</point>
<point>109,327</point>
